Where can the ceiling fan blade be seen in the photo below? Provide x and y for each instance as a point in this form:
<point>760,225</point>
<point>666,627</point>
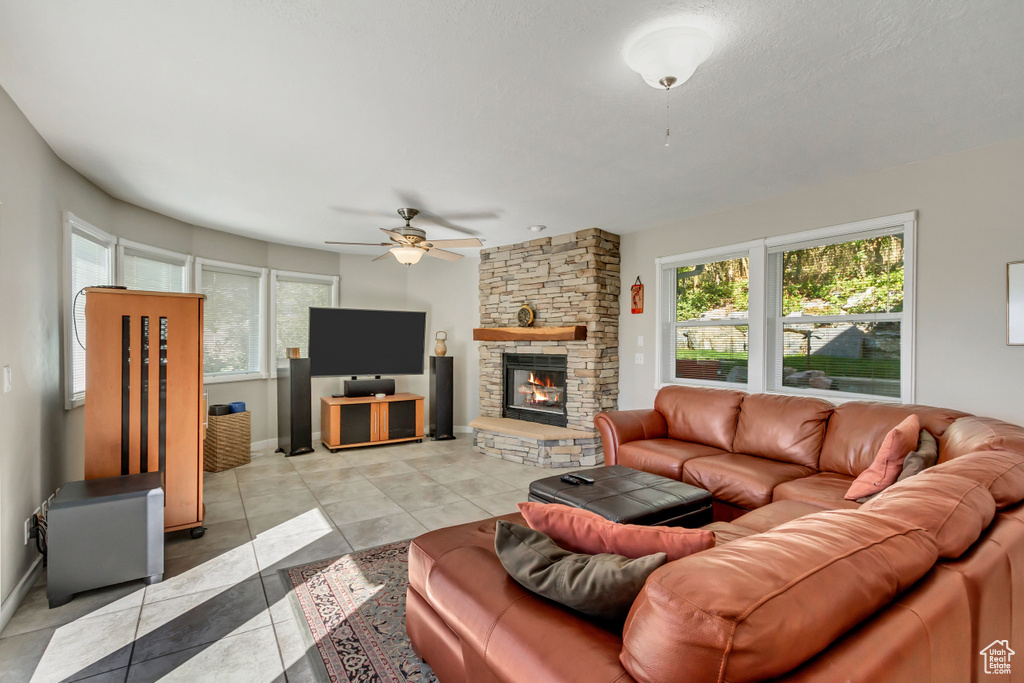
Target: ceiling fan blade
<point>487,214</point>
<point>468,242</point>
<point>397,236</point>
<point>362,244</point>
<point>442,254</point>
<point>426,217</point>
<point>382,256</point>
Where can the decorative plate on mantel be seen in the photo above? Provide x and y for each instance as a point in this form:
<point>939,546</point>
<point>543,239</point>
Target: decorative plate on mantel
<point>525,316</point>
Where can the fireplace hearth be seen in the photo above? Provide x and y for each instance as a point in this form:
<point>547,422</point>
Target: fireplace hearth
<point>535,388</point>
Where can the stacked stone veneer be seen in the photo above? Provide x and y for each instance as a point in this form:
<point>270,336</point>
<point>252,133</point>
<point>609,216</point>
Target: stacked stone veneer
<point>568,280</point>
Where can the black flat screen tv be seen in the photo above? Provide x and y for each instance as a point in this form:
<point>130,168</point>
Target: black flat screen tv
<point>349,342</point>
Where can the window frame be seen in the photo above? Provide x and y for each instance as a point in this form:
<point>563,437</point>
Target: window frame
<point>759,345</point>
<point>200,264</point>
<point>72,224</point>
<point>666,307</point>
<point>292,276</point>
<point>157,254</point>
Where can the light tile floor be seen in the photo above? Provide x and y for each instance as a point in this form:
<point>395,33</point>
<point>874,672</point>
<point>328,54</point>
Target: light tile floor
<point>221,613</point>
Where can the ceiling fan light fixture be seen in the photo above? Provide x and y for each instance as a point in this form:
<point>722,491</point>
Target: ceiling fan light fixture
<point>407,255</point>
<point>672,52</point>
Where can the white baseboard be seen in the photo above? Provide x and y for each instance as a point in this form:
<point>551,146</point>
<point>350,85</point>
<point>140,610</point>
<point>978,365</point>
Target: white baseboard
<point>271,443</point>
<point>462,429</point>
<point>13,601</point>
<point>256,446</point>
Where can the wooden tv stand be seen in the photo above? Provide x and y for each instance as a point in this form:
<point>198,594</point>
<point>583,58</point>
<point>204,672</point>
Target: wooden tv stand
<point>368,421</point>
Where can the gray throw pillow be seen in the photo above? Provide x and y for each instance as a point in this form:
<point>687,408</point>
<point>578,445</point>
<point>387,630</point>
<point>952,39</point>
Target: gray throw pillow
<point>926,455</point>
<point>602,586</point>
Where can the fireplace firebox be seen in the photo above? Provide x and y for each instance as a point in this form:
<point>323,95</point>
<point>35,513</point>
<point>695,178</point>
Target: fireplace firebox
<point>535,388</point>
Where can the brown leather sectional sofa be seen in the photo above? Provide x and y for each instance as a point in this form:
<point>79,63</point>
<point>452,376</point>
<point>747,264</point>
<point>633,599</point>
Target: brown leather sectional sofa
<point>802,585</point>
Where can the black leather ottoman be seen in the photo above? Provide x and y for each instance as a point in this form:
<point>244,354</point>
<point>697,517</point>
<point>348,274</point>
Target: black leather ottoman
<point>628,496</point>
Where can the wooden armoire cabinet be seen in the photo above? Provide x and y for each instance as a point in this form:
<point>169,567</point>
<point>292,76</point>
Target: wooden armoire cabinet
<point>144,406</point>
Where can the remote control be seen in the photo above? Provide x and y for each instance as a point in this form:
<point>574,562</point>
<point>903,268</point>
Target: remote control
<point>584,478</point>
<point>570,479</point>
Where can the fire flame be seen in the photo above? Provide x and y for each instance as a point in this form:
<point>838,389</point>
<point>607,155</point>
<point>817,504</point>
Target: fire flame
<point>537,387</point>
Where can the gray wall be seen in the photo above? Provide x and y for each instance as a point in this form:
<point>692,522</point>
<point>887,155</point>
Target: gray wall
<point>35,187</point>
<point>970,224</point>
<point>41,444</point>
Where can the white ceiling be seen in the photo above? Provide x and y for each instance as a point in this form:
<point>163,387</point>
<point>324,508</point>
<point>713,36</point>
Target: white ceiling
<point>303,120</point>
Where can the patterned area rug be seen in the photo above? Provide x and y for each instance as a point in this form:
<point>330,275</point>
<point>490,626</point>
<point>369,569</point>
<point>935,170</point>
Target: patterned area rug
<point>355,608</point>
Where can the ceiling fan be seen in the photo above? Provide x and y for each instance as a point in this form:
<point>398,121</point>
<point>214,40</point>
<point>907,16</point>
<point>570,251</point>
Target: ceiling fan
<point>409,244</point>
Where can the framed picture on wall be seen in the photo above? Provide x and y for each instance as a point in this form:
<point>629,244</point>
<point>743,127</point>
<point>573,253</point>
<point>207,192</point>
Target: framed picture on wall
<point>1015,303</point>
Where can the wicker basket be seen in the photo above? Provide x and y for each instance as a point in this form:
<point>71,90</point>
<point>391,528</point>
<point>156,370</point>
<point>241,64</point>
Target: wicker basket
<point>227,442</point>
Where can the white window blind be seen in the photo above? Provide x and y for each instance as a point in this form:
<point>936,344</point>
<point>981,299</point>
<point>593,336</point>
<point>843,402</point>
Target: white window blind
<point>233,319</point>
<point>293,295</point>
<point>151,269</point>
<point>90,264</point>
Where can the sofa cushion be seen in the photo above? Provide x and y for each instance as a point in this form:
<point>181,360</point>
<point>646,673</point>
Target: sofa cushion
<point>520,636</point>
<point>973,434</point>
<point>954,510</point>
<point>990,574</point>
<point>700,415</point>
<point>726,532</point>
<point>783,428</point>
<point>920,636</point>
<point>856,431</point>
<point>602,586</point>
<point>779,597</point>
<point>583,531</point>
<point>622,426</point>
<point>888,463</point>
<point>743,480</point>
<point>427,549</point>
<point>1002,473</point>
<point>662,456</point>
<point>825,490</point>
<point>774,514</point>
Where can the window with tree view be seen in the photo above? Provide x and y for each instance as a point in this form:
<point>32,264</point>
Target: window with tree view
<point>293,297</point>
<point>838,316</point>
<point>711,325</point>
<point>826,312</point>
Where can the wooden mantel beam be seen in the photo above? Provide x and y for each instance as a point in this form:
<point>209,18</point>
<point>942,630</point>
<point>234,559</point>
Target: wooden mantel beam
<point>567,333</point>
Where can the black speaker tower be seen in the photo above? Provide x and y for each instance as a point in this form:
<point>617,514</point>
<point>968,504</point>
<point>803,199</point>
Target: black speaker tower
<point>441,394</point>
<point>294,407</point>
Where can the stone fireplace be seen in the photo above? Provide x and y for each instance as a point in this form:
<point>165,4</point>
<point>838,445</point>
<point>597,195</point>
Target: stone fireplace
<point>535,388</point>
<point>571,282</point>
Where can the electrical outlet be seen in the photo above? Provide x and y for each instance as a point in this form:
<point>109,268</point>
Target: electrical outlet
<point>7,379</point>
<point>638,359</point>
<point>45,507</point>
<point>28,525</point>
<point>640,341</point>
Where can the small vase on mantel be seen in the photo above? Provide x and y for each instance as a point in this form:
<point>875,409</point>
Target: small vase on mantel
<point>440,348</point>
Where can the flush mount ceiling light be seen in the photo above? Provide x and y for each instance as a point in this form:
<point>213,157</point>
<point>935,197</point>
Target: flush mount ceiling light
<point>667,57</point>
<point>537,228</point>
